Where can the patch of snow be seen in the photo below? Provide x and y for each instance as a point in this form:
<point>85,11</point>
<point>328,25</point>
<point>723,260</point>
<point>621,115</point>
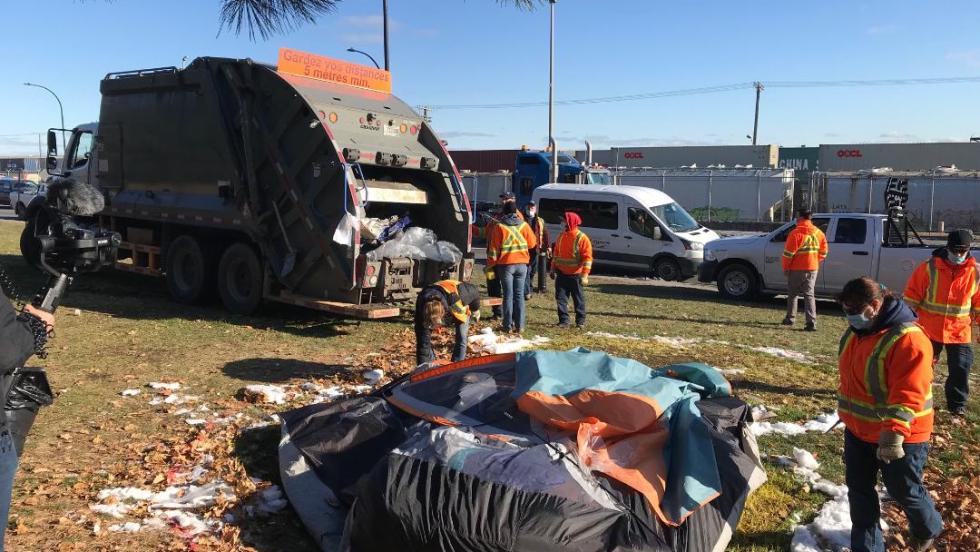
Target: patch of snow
<point>128,527</point>
<point>196,421</point>
<point>117,510</point>
<point>271,500</point>
<point>190,524</point>
<point>361,389</point>
<point>607,335</point>
<point>685,342</point>
<point>130,392</point>
<point>782,353</point>
<point>731,371</point>
<point>266,393</point>
<point>189,497</point>
<point>373,376</point>
<point>158,386</point>
<point>805,459</point>
<point>125,493</point>
<point>804,541</point>
<point>823,422</point>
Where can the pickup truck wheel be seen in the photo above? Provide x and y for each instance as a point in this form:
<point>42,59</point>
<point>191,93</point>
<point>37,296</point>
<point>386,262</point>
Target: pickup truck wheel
<point>190,274</point>
<point>240,279</point>
<point>738,282</point>
<point>667,269</point>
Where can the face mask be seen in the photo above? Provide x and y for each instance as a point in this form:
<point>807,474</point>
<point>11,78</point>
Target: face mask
<point>956,259</point>
<point>531,213</point>
<point>859,321</point>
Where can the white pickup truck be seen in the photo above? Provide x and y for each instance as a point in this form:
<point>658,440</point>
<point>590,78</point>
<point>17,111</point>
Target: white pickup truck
<point>745,267</point>
<point>21,199</point>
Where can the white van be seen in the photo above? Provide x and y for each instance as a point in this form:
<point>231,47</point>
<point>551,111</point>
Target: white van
<point>630,226</point>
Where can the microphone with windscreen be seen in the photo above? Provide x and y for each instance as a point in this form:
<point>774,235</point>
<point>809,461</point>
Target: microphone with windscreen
<point>74,198</point>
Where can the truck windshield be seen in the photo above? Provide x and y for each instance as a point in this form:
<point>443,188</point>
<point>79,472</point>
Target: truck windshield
<point>599,178</point>
<point>675,217</point>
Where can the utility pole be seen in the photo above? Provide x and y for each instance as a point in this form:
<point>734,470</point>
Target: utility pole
<point>758,92</point>
<point>384,7</point>
<point>551,99</point>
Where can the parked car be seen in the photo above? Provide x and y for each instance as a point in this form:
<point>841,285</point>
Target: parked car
<point>6,185</point>
<point>630,226</point>
<point>745,267</point>
<point>22,197</point>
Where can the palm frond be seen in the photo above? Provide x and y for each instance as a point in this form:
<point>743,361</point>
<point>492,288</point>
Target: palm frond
<point>271,17</point>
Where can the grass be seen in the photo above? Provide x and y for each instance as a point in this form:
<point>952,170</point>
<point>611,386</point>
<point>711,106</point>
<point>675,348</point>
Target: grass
<point>128,333</point>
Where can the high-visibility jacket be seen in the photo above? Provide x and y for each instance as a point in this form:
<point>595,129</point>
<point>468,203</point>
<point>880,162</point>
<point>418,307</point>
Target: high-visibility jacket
<point>886,383</point>
<point>459,309</point>
<point>572,253</point>
<point>540,232</point>
<point>485,231</point>
<point>509,245</point>
<point>946,297</point>
<point>805,247</point>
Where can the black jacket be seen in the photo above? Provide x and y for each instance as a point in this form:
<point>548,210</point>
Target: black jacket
<point>468,294</point>
<point>16,346</point>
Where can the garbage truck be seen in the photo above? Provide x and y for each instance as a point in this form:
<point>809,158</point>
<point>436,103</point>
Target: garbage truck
<point>306,183</point>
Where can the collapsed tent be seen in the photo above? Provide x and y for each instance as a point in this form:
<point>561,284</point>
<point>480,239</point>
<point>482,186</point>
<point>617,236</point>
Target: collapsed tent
<point>529,451</point>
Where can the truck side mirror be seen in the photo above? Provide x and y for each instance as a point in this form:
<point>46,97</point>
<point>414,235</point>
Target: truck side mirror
<point>52,160</point>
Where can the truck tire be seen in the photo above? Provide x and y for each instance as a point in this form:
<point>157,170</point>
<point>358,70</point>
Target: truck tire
<point>30,249</point>
<point>240,279</point>
<point>738,281</point>
<point>189,272</point>
<point>667,269</point>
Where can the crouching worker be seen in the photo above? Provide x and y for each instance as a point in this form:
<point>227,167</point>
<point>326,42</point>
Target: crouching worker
<point>885,402</point>
<point>443,303</point>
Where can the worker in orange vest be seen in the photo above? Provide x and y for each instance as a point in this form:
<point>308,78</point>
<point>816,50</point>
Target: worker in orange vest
<point>885,402</point>
<point>508,248</point>
<point>440,304</point>
<point>945,292</point>
<point>571,264</point>
<point>493,284</point>
<point>805,249</point>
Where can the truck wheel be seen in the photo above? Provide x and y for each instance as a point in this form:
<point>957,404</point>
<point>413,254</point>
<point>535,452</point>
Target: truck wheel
<point>240,279</point>
<point>738,281</point>
<point>190,274</point>
<point>667,269</point>
<point>30,248</point>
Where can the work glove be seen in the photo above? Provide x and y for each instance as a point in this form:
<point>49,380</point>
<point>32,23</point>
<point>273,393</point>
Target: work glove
<point>890,446</point>
<point>490,273</point>
<point>585,279</point>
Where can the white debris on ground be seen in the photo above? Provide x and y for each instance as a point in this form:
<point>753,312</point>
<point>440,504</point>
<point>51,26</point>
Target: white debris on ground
<point>130,392</point>
<point>678,342</point>
<point>488,342</point>
<point>731,371</point>
<point>159,386</point>
<point>761,413</point>
<point>272,394</point>
<point>177,505</point>
<point>372,376</point>
<point>823,422</point>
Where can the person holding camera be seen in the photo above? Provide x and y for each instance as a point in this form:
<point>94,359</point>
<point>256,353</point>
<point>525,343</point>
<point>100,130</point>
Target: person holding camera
<point>21,336</point>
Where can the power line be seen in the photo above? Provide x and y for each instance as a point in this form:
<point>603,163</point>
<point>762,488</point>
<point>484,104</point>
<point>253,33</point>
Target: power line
<point>719,89</point>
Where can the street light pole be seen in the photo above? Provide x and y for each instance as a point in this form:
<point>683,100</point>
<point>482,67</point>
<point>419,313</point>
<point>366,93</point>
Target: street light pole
<point>551,99</point>
<point>384,7</point>
<point>366,54</point>
<point>60,107</point>
<point>758,92</point>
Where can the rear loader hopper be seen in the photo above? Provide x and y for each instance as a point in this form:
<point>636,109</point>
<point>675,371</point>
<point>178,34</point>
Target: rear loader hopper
<point>234,177</point>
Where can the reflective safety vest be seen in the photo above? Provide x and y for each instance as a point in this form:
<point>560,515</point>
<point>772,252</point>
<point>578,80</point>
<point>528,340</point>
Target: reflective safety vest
<point>510,244</point>
<point>886,383</point>
<point>459,311</point>
<point>572,253</point>
<point>946,298</point>
<point>805,247</point>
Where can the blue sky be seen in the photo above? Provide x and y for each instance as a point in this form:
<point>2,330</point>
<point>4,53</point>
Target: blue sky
<point>448,52</point>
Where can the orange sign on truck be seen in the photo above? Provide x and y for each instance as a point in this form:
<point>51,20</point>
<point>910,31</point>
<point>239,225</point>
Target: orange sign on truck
<point>294,62</point>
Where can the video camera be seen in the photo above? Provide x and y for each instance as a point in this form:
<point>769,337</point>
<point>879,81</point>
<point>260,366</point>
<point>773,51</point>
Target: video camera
<point>63,239</point>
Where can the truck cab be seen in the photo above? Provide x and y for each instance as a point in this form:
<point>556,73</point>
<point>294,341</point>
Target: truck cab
<point>79,161</point>
<point>534,169</point>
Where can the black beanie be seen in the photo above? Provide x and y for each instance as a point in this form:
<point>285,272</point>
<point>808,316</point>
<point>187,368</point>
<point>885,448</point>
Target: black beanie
<point>959,238</point>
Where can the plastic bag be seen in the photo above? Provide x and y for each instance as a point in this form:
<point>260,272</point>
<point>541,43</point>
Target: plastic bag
<point>29,391</point>
<point>420,244</point>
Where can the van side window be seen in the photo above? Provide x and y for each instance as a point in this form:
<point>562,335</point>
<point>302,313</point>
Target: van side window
<point>851,230</point>
<point>595,214</point>
<point>821,223</point>
<point>641,222</point>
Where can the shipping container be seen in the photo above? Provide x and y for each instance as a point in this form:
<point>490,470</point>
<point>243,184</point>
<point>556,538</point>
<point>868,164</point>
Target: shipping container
<point>900,157</point>
<point>722,195</point>
<point>485,160</point>
<point>759,157</point>
<point>938,200</point>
